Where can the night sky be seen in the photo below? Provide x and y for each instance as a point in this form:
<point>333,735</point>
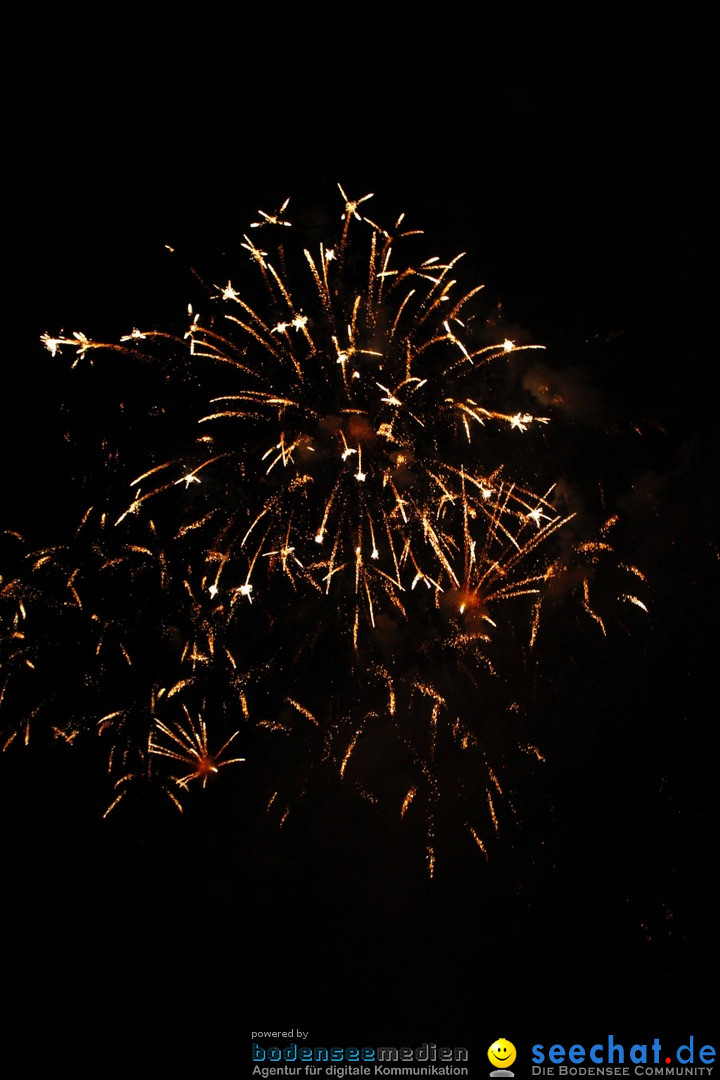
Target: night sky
<point>569,156</point>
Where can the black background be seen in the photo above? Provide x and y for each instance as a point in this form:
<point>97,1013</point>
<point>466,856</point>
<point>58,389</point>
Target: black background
<point>568,153</point>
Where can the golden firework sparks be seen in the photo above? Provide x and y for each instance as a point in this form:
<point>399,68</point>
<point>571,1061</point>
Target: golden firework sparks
<point>348,479</point>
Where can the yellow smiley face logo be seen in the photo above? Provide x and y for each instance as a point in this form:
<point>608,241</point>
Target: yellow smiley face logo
<point>502,1054</point>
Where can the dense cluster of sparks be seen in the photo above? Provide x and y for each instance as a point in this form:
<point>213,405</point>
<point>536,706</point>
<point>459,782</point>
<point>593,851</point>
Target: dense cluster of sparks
<point>335,559</point>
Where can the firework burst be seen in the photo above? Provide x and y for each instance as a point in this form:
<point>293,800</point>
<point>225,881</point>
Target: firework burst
<point>337,555</point>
